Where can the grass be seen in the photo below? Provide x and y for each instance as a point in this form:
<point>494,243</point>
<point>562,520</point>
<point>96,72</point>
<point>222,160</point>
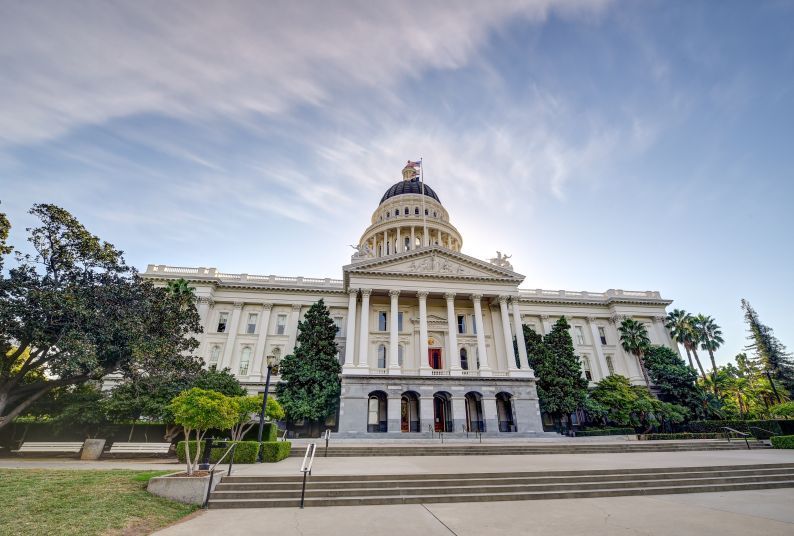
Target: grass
<point>85,502</point>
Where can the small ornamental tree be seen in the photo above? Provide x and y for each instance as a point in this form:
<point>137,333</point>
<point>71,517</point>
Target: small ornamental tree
<point>198,410</point>
<point>248,408</point>
<point>310,376</point>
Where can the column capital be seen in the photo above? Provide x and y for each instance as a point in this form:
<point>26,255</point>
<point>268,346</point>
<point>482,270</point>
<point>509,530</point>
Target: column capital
<point>366,291</point>
<point>476,297</point>
<point>296,306</point>
<point>617,319</point>
<point>394,293</point>
<point>422,294</point>
<point>267,306</point>
<point>238,304</point>
<point>503,298</point>
<point>352,291</point>
<point>659,318</point>
<point>449,296</point>
<point>591,318</point>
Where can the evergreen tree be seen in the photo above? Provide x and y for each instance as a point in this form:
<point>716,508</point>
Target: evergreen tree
<point>769,350</point>
<point>561,387</point>
<point>310,388</point>
<point>677,382</point>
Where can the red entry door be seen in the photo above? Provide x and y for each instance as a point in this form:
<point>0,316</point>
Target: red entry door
<point>434,358</point>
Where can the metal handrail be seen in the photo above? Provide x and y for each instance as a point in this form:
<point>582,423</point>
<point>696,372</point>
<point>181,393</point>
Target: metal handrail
<point>770,432</point>
<point>327,437</point>
<point>212,471</point>
<point>306,467</point>
<point>743,435</point>
<point>284,436</point>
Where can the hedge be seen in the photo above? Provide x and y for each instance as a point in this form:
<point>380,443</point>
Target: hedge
<point>783,442</point>
<point>275,451</point>
<point>684,435</point>
<point>605,432</point>
<point>742,426</point>
<point>244,453</point>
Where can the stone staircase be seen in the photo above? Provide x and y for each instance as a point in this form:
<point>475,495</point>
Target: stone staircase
<point>477,449</point>
<point>347,490</point>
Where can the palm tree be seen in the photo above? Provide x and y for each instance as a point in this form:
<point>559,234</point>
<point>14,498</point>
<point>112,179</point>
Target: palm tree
<point>710,337</point>
<point>694,337</point>
<point>678,322</point>
<point>634,339</point>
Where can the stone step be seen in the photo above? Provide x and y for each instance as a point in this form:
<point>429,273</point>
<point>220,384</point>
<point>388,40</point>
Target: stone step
<point>507,496</point>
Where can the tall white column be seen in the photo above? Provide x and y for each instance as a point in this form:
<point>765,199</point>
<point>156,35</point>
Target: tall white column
<point>259,351</point>
<point>519,328</point>
<point>485,369</point>
<point>228,352</point>
<point>452,338</point>
<point>350,331</point>
<point>385,243</point>
<point>363,341</point>
<point>510,352</point>
<point>293,327</point>
<point>398,248</point>
<point>413,238</point>
<point>424,363</point>
<point>602,360</point>
<point>205,304</point>
<point>545,324</point>
<point>394,363</point>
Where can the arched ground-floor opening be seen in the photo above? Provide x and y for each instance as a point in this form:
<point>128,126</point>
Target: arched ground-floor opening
<point>505,412</point>
<point>377,417</point>
<point>442,412</point>
<point>409,412</point>
<point>475,422</point>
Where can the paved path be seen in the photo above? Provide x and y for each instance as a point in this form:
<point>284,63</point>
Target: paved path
<point>61,463</point>
<point>740,513</point>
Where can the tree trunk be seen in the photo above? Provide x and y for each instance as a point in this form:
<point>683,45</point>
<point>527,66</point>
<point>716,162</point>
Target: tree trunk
<point>188,459</point>
<point>714,368</point>
<point>700,365</point>
<point>132,429</point>
<point>644,372</point>
<point>689,356</point>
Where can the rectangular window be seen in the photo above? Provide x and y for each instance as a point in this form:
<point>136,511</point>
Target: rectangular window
<point>399,321</point>
<point>474,324</point>
<point>215,354</point>
<point>610,366</point>
<point>338,324</point>
<point>223,318</point>
<point>602,334</point>
<point>250,328</point>
<point>579,334</point>
<point>281,324</point>
<point>382,320</point>
<point>462,324</point>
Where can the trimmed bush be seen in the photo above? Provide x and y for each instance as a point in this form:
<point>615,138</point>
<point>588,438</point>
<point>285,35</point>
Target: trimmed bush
<point>783,442</point>
<point>742,426</point>
<point>244,453</point>
<point>684,435</point>
<point>605,432</point>
<point>275,451</point>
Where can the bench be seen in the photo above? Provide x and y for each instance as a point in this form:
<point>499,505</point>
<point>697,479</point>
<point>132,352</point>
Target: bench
<point>44,447</point>
<point>138,449</point>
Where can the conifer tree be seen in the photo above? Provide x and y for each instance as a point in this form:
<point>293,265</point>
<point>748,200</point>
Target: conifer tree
<point>773,355</point>
<point>310,388</point>
<point>561,387</point>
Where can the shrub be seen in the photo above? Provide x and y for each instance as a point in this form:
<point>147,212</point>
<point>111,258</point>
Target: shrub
<point>605,432</point>
<point>785,410</point>
<point>270,432</point>
<point>683,435</point>
<point>275,451</point>
<point>244,453</point>
<point>783,442</point>
<point>742,426</point>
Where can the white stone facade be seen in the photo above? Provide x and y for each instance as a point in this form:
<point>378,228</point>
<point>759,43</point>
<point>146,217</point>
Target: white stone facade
<point>425,331</point>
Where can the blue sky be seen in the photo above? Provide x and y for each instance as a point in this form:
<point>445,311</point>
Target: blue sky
<point>636,145</point>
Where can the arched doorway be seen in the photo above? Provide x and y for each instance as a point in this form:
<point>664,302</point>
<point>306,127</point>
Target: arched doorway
<point>442,412</point>
<point>505,412</point>
<point>474,418</point>
<point>376,412</point>
<point>409,412</point>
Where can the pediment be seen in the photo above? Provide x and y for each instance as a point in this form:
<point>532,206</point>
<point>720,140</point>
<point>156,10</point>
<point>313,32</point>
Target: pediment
<point>433,262</point>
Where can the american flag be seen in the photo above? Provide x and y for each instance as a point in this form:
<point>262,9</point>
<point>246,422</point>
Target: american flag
<point>414,164</point>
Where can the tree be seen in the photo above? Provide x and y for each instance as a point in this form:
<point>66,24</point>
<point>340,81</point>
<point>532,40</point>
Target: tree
<point>198,410</point>
<point>79,313</point>
<point>310,376</point>
<point>561,387</point>
<point>679,322</point>
<point>634,339</point>
<point>248,408</point>
<point>710,338</point>
<point>785,410</point>
<point>773,355</point>
<point>677,382</point>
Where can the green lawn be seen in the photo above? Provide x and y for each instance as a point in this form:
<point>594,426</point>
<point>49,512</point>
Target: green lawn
<point>85,502</point>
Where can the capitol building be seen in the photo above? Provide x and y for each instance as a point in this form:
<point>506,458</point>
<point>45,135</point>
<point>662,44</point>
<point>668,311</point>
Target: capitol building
<point>425,332</point>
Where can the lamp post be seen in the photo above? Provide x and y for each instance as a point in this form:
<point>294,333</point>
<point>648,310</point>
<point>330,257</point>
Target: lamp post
<point>271,362</point>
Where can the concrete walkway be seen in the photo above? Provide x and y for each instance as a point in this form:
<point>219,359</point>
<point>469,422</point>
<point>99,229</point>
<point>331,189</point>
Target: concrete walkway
<point>739,513</point>
<point>66,463</point>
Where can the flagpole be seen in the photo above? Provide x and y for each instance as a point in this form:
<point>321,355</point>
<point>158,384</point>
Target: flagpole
<point>424,212</point>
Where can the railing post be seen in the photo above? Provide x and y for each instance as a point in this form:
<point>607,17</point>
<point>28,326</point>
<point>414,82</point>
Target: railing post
<point>231,458</point>
<point>303,489</point>
<point>205,459</point>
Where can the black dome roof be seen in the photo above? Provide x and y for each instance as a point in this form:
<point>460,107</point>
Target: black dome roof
<point>412,186</point>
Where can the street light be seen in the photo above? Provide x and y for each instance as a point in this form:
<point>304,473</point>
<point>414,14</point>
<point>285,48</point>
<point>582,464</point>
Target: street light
<point>271,362</point>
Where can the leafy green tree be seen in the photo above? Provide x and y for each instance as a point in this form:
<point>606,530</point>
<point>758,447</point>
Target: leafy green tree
<point>785,410</point>
<point>746,392</point>
<point>78,313</point>
<point>248,408</point>
<point>198,410</point>
<point>676,381</point>
<point>774,357</point>
<point>710,336</point>
<point>561,387</point>
<point>310,376</point>
<point>634,339</point>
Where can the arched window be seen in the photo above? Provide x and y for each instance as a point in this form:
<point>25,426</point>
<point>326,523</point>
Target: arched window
<point>388,214</point>
<point>215,354</point>
<point>407,211</point>
<point>416,210</point>
<point>400,355</point>
<point>407,243</point>
<point>586,368</point>
<point>245,360</point>
<point>427,212</point>
<point>381,356</point>
<point>464,359</point>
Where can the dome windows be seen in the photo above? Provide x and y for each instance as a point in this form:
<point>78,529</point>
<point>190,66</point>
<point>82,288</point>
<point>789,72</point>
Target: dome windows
<point>416,210</point>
